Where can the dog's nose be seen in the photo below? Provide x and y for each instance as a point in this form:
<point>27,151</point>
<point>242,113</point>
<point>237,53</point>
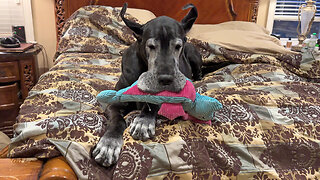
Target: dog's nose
<point>165,79</point>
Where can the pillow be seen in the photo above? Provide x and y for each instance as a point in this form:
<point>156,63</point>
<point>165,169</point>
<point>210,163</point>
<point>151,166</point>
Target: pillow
<point>239,36</point>
<point>230,25</point>
<point>141,14</point>
<point>99,29</point>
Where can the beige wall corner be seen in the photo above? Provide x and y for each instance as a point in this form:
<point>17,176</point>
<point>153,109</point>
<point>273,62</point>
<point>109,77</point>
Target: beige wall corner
<point>44,30</point>
<point>263,12</point>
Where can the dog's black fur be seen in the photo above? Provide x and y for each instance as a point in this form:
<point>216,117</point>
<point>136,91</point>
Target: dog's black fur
<point>157,60</point>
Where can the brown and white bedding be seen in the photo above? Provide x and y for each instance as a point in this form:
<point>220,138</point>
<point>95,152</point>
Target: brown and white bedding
<point>268,129</point>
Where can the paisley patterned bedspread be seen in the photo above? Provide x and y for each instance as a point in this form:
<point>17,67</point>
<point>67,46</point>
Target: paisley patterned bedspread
<point>269,127</point>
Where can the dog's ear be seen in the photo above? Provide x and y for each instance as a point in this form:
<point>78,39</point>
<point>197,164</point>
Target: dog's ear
<point>190,18</point>
<point>135,27</point>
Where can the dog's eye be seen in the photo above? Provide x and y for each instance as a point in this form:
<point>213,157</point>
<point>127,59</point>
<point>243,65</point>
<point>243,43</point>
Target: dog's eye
<point>178,46</point>
<point>151,47</point>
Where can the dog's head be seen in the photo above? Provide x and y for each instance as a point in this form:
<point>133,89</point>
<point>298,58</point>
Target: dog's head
<point>161,43</point>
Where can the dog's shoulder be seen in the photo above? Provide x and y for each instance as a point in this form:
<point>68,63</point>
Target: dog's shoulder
<point>132,66</point>
<point>131,56</point>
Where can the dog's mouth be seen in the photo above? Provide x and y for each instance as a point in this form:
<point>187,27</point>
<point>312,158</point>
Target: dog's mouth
<point>150,83</point>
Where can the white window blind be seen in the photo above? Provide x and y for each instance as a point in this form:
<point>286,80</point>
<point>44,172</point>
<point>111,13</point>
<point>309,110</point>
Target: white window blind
<point>291,7</point>
<point>11,13</point>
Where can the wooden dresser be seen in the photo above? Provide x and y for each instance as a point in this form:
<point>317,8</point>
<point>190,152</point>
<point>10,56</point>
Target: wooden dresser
<point>18,74</point>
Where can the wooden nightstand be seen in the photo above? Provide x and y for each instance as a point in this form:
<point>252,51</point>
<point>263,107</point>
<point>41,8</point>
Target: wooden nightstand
<point>18,74</point>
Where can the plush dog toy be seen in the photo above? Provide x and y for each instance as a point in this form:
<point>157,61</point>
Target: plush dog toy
<point>187,103</point>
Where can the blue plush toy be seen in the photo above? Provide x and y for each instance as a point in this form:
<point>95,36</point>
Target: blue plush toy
<point>186,103</point>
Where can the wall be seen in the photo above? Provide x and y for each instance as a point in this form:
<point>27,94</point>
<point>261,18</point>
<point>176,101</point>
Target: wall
<point>44,30</point>
<point>263,12</point>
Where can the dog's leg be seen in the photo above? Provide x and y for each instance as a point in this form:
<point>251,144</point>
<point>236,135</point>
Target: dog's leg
<point>108,148</point>
<point>143,126</point>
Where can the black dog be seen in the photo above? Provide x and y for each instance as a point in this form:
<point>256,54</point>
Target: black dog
<point>161,59</point>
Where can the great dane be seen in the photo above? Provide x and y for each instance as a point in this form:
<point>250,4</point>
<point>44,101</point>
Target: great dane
<point>160,59</point>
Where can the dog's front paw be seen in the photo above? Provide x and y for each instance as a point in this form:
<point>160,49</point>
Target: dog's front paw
<point>143,128</point>
<point>107,150</point>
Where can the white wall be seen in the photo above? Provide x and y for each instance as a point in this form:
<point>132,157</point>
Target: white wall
<point>263,12</point>
<point>44,29</point>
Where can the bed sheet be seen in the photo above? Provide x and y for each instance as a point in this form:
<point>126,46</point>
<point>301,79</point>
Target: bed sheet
<point>268,127</point>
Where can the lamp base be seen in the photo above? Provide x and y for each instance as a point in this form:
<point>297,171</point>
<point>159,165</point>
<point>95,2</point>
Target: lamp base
<point>297,48</point>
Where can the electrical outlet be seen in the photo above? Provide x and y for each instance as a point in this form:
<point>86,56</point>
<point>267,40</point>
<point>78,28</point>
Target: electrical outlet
<point>17,1</point>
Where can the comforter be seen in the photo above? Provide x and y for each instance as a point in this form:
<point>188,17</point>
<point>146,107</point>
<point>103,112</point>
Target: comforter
<point>268,127</point>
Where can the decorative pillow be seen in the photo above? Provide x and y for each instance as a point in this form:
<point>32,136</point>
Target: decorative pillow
<point>98,29</point>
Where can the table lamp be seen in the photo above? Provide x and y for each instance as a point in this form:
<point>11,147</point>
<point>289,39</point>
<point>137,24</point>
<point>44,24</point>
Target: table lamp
<point>306,16</point>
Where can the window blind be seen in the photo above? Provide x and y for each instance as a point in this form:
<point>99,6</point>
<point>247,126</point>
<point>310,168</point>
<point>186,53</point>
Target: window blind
<point>11,13</point>
<point>291,7</point>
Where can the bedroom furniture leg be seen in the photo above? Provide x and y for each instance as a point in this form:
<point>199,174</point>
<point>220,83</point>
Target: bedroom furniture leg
<point>57,168</point>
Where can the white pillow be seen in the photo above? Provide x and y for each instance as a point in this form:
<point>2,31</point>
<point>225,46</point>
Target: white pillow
<point>240,36</point>
<point>141,14</point>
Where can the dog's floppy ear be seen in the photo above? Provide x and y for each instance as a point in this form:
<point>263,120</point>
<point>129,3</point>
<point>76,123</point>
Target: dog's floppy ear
<point>190,18</point>
<point>135,27</point>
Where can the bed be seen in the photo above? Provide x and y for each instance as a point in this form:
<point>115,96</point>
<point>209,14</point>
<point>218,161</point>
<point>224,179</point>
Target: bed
<point>268,127</point>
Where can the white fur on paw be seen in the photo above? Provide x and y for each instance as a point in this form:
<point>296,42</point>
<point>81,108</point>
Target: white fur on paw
<point>142,128</point>
<point>107,151</point>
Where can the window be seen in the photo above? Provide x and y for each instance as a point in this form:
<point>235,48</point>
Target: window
<point>16,12</point>
<point>283,17</point>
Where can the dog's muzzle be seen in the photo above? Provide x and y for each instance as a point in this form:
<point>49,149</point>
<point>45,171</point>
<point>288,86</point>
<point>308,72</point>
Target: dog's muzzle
<point>149,82</point>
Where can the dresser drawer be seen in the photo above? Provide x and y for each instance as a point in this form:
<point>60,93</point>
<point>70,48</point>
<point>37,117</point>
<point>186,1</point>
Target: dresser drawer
<point>8,96</point>
<point>9,71</point>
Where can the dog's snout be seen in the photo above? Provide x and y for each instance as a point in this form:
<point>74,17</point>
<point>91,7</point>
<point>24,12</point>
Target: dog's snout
<point>165,79</point>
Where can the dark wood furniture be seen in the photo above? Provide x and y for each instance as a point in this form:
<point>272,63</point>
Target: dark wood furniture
<point>17,76</point>
<point>210,11</point>
<point>32,168</point>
